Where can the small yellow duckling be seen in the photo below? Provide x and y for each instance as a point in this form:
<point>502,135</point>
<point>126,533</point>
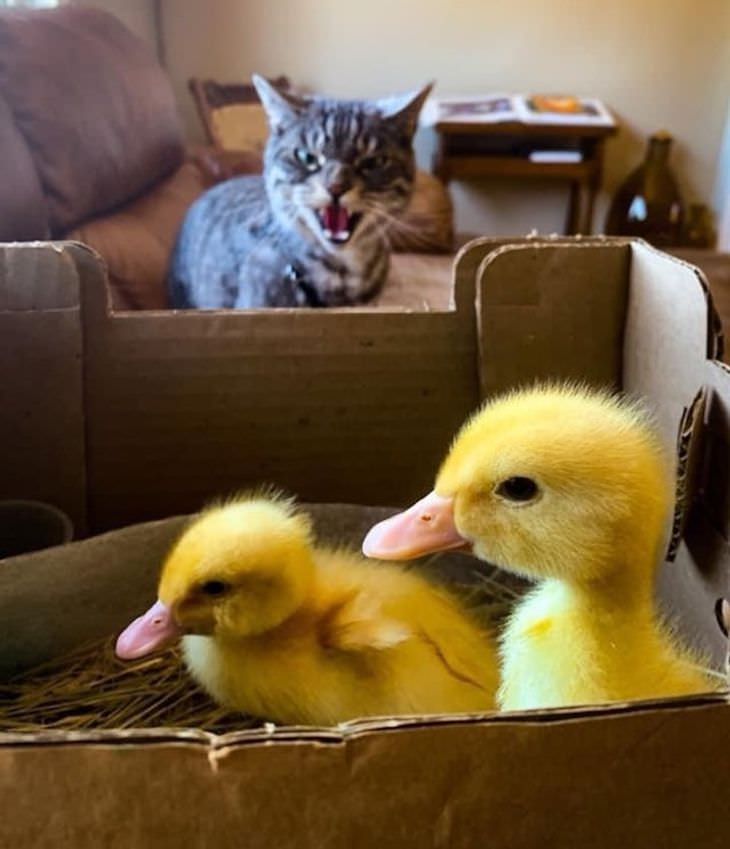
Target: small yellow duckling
<point>571,488</point>
<point>273,626</point>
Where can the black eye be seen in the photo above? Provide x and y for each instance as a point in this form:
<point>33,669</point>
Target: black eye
<point>215,588</point>
<point>518,489</point>
<point>376,162</point>
<point>311,161</point>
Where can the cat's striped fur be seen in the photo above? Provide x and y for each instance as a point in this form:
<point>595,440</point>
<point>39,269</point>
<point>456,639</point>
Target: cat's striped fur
<point>310,231</point>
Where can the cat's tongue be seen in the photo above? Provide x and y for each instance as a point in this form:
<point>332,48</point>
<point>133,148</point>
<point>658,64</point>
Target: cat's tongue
<point>336,222</point>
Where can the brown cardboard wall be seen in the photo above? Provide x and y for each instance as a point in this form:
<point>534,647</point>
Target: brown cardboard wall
<point>41,399</point>
<point>363,403</point>
<point>552,311</point>
<point>350,406</point>
<point>354,406</point>
<point>701,573</point>
<point>638,778</point>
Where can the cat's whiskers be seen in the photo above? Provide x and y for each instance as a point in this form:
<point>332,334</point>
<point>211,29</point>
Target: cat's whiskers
<point>386,218</point>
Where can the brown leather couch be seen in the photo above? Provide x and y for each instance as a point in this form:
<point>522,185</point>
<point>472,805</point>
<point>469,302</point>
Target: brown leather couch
<point>91,146</point>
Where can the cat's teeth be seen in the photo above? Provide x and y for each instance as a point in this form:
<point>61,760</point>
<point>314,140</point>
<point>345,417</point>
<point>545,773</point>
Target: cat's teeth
<point>337,223</point>
<point>339,236</point>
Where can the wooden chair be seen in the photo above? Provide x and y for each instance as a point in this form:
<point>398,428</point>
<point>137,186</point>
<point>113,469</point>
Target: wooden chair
<point>232,114</point>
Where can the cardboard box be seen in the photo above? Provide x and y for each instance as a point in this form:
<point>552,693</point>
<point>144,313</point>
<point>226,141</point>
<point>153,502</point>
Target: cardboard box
<point>121,418</point>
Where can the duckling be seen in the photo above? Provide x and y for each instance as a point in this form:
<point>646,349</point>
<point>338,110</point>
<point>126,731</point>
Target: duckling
<point>275,626</point>
<point>570,488</point>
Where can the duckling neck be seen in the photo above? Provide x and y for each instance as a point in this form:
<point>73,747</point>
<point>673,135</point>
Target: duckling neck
<point>626,584</point>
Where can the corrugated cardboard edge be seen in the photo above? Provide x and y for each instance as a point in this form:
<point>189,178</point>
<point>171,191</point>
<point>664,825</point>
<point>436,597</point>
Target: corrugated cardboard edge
<point>690,448</point>
<point>336,735</point>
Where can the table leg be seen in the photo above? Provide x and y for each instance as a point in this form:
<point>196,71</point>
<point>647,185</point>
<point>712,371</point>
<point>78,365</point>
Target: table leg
<point>572,221</point>
<point>587,227</point>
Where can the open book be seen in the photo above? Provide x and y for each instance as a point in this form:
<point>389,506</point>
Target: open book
<point>526,109</point>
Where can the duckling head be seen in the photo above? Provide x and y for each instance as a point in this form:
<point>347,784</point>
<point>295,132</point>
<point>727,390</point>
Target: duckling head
<point>238,570</point>
<point>556,481</point>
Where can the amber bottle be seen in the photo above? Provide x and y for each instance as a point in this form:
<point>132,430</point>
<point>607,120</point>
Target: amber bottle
<point>648,203</point>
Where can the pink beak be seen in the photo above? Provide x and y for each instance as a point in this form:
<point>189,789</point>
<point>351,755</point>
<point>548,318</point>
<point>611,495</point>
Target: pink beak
<point>151,632</point>
<point>426,527</point>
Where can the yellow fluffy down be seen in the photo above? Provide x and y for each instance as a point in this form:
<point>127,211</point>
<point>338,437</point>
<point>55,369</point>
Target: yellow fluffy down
<point>588,526</point>
<point>300,634</point>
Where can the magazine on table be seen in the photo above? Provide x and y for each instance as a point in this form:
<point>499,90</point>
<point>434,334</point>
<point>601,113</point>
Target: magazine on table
<point>521,108</point>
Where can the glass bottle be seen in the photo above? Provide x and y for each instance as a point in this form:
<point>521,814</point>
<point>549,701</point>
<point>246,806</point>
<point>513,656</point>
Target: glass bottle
<point>648,203</point>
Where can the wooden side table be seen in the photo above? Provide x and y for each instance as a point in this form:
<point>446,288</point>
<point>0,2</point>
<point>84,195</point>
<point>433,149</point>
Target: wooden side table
<point>469,151</point>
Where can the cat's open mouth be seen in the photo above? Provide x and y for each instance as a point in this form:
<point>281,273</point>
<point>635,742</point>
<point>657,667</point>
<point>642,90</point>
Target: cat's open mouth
<point>337,223</point>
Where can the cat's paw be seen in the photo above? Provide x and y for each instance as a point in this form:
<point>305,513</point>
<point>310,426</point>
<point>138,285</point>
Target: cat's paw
<point>303,291</point>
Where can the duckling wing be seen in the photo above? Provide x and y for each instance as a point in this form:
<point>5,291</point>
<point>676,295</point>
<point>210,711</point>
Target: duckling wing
<point>360,625</point>
<point>464,649</point>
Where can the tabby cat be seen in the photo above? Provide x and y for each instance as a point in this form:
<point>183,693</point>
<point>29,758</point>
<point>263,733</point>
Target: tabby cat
<point>311,230</point>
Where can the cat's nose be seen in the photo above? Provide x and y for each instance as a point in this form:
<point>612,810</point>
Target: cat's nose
<point>338,181</point>
<point>337,189</point>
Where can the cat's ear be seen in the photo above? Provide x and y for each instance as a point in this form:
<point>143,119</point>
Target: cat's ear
<point>405,108</point>
<point>281,106</point>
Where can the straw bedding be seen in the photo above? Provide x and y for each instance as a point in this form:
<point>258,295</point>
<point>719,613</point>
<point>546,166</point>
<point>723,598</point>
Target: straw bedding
<point>90,689</point>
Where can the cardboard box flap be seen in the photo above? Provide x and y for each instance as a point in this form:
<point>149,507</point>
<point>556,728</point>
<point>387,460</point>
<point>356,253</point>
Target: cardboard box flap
<point>41,349</point>
<point>690,586</point>
<point>551,310</point>
<point>37,276</point>
<point>667,340</point>
<point>639,779</point>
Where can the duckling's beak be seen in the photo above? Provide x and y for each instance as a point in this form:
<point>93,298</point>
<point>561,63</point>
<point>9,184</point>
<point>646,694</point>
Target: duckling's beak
<point>151,632</point>
<point>426,527</point>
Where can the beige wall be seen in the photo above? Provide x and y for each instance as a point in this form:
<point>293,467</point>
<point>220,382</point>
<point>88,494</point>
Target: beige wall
<point>657,63</point>
<point>722,189</point>
<point>138,15</point>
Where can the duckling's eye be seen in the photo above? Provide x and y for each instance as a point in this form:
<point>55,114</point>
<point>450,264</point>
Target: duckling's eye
<point>376,162</point>
<point>517,489</point>
<point>215,588</point>
<point>311,161</point>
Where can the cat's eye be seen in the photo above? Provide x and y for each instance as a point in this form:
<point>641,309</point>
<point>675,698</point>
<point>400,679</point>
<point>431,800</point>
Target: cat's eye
<point>215,588</point>
<point>376,162</point>
<point>518,489</point>
<point>310,160</point>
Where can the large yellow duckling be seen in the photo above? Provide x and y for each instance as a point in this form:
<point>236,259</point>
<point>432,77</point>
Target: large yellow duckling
<point>572,489</point>
<point>275,626</point>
